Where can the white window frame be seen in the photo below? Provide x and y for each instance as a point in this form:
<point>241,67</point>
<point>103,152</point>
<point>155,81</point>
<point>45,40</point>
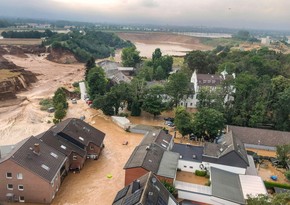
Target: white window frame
<point>8,187</point>
<point>19,176</point>
<point>75,157</point>
<point>20,188</point>
<point>7,175</point>
<point>91,147</point>
<point>21,200</point>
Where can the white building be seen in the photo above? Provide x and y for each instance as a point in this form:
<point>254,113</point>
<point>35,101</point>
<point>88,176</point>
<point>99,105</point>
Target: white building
<point>198,81</point>
<point>266,41</point>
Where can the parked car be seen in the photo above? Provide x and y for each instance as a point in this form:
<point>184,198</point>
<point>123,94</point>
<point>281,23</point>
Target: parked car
<point>51,110</point>
<point>169,123</point>
<point>171,119</point>
<point>74,101</point>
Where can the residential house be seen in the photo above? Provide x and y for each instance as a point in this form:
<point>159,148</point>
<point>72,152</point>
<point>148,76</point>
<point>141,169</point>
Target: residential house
<point>229,155</point>
<point>159,137</point>
<point>260,138</point>
<point>152,157</point>
<point>128,71</point>
<point>82,135</point>
<point>211,81</point>
<point>31,171</point>
<point>145,190</point>
<point>226,188</point>
<point>76,155</point>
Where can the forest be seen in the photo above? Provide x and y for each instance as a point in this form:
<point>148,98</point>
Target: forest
<point>86,43</point>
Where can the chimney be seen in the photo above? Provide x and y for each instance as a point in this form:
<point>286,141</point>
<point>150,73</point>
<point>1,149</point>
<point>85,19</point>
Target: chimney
<point>36,149</point>
<point>135,186</point>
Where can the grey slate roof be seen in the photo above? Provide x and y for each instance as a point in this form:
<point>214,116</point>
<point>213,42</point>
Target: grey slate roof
<point>209,79</point>
<point>270,138</point>
<point>147,157</point>
<point>159,137</point>
<point>150,192</point>
<point>76,128</point>
<point>226,185</point>
<point>188,152</point>
<point>61,144</point>
<point>45,165</point>
<point>154,158</point>
<point>229,143</point>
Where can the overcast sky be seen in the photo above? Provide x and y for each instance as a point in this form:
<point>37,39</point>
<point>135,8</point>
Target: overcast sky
<point>267,14</point>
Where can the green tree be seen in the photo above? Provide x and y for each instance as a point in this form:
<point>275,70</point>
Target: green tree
<point>156,55</point>
<point>283,154</point>
<point>89,65</point>
<point>183,121</point>
<point>135,108</point>
<point>282,111</point>
<point>130,57</point>
<point>177,86</point>
<point>153,102</point>
<point>60,112</point>
<point>119,94</point>
<point>208,123</point>
<point>97,82</point>
<point>287,175</point>
<point>60,98</point>
<point>159,73</point>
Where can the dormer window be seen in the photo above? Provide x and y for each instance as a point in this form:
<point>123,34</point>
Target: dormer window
<point>82,139</point>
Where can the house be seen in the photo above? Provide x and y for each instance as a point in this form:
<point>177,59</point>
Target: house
<point>260,138</point>
<point>128,71</point>
<point>229,155</point>
<point>158,137</point>
<point>145,190</point>
<point>76,156</point>
<point>151,158</point>
<point>211,81</point>
<point>31,171</point>
<point>226,188</point>
<point>82,135</point>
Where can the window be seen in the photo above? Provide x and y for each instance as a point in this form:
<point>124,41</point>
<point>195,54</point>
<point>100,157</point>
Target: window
<point>20,187</point>
<point>184,166</point>
<point>190,104</point>
<point>191,167</point>
<point>45,167</point>
<point>9,175</point>
<point>54,155</point>
<point>82,139</point>
<point>91,147</point>
<point>75,157</point>
<point>63,147</point>
<point>10,186</point>
<point>19,176</point>
<point>21,199</point>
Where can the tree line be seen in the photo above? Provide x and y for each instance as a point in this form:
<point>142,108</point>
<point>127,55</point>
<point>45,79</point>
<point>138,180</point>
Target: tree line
<point>27,34</point>
<point>86,43</point>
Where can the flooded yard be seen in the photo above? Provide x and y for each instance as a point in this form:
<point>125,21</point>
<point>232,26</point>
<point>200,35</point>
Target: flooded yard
<point>190,178</point>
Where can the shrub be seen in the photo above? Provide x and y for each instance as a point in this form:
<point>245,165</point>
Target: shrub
<point>46,103</point>
<point>287,175</point>
<point>122,114</point>
<point>275,184</point>
<point>200,173</point>
<point>208,183</point>
<point>75,84</point>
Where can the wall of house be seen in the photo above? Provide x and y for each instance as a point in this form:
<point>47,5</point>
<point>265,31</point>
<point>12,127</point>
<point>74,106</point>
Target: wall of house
<point>93,151</point>
<point>169,180</point>
<point>76,163</point>
<point>236,170</point>
<point>190,166</point>
<point>133,173</point>
<point>199,197</point>
<point>35,188</point>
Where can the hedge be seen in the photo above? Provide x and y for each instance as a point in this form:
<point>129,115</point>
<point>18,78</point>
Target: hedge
<point>200,173</point>
<point>275,184</point>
